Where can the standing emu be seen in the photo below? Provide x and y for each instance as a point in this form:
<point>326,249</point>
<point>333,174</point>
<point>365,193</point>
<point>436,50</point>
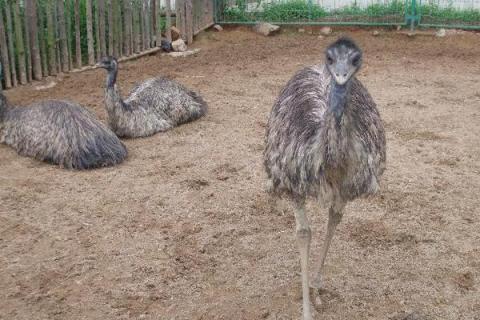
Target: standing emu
<point>157,104</point>
<point>59,132</point>
<point>325,139</point>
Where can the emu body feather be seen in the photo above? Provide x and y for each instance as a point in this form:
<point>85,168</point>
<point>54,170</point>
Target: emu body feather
<point>60,132</point>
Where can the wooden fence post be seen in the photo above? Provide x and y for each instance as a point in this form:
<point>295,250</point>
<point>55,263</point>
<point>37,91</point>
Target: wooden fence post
<point>4,53</point>
<point>189,20</point>
<point>101,27</point>
<point>90,50</point>
<point>168,21</point>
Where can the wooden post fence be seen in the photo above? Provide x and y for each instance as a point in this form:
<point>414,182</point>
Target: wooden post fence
<point>39,38</point>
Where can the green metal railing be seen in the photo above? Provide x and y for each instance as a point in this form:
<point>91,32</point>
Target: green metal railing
<point>463,14</point>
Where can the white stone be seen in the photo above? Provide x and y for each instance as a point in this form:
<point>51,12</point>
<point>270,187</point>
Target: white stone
<point>266,28</point>
<point>441,33</point>
<point>183,54</point>
<point>376,33</point>
<point>179,45</point>
<point>326,31</point>
<point>218,27</point>
<point>301,30</point>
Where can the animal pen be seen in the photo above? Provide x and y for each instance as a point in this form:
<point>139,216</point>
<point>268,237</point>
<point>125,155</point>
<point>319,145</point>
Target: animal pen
<point>44,38</point>
<point>47,37</point>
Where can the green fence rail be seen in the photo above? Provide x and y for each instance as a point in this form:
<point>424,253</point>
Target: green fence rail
<point>464,14</point>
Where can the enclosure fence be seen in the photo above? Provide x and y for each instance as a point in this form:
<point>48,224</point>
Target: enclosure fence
<point>464,14</point>
<point>40,38</point>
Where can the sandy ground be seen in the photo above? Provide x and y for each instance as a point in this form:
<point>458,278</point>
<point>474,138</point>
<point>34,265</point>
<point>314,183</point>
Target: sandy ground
<point>184,230</point>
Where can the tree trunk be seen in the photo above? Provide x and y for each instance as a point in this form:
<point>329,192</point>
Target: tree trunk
<point>4,53</point>
<point>42,41</point>
<point>136,27</point>
<point>189,20</point>
<point>97,33</point>
<point>51,40</point>
<point>28,50</point>
<point>11,44</point>
<point>101,27</point>
<point>57,36</point>
<point>145,25</point>
<point>19,42</point>
<point>78,46</point>
<point>127,24</point>
<point>63,36</point>
<point>118,28</point>
<point>168,22</point>
<point>89,22</point>
<point>31,13</point>
<point>110,28</point>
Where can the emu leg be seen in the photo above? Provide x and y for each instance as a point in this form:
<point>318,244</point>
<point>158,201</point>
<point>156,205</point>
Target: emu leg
<point>335,214</point>
<point>304,236</point>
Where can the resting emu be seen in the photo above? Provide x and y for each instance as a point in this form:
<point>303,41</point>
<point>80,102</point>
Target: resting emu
<point>157,104</point>
<point>59,132</point>
<point>324,139</point>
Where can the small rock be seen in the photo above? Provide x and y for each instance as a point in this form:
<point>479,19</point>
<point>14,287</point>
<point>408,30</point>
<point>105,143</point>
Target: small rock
<point>399,27</point>
<point>326,31</point>
<point>183,54</point>
<point>266,29</point>
<point>176,33</point>
<point>301,30</point>
<point>49,85</point>
<point>218,27</point>
<point>441,33</point>
<point>179,45</point>
<point>376,33</point>
<point>455,31</point>
<point>320,37</point>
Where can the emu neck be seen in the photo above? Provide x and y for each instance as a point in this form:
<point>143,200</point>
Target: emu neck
<point>337,100</point>
<point>4,106</point>
<point>111,78</point>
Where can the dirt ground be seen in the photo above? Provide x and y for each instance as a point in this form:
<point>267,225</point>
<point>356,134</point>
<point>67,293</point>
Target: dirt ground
<point>184,229</point>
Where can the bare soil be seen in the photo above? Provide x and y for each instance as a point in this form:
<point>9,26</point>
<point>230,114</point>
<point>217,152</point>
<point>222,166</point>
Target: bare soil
<point>184,229</point>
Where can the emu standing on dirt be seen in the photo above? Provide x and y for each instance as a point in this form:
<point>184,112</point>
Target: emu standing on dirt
<point>59,132</point>
<point>325,139</point>
<point>157,104</point>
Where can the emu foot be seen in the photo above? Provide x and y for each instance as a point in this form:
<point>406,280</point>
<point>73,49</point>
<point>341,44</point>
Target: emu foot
<point>316,283</point>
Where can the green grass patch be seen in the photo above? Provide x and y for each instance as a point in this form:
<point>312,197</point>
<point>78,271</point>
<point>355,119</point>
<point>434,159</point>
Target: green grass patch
<point>303,11</point>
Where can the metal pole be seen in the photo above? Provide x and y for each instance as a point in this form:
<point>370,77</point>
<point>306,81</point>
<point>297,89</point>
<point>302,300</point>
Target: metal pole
<point>413,15</point>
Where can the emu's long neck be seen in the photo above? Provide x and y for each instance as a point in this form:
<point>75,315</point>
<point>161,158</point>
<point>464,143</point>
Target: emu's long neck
<point>4,106</point>
<point>336,130</point>
<point>114,103</point>
<point>337,100</point>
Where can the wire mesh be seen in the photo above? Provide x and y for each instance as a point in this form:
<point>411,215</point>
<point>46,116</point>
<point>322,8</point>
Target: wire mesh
<point>429,13</point>
<point>347,12</point>
<point>447,13</point>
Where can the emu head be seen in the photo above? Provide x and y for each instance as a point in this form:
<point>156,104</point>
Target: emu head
<point>109,63</point>
<point>343,60</point>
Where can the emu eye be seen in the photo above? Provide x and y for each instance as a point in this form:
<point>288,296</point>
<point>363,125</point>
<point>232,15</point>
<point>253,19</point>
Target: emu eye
<point>356,61</point>
<point>329,60</point>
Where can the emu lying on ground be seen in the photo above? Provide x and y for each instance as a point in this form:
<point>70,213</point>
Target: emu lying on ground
<point>157,104</point>
<point>324,139</point>
<point>59,132</point>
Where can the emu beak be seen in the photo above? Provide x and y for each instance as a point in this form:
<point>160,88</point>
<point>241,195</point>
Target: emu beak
<point>341,79</point>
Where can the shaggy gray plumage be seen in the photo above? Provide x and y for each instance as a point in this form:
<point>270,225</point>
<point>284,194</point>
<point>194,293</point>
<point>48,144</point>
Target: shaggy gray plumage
<point>59,132</point>
<point>157,104</point>
<point>324,139</point>
<point>308,154</point>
